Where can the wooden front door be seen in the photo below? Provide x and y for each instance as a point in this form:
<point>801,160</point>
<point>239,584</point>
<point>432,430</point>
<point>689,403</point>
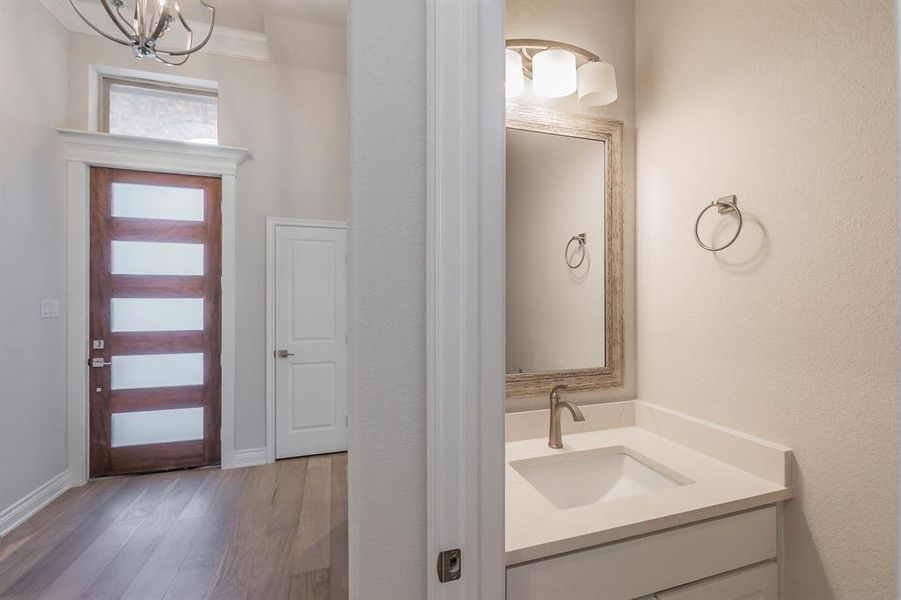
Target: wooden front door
<point>155,321</point>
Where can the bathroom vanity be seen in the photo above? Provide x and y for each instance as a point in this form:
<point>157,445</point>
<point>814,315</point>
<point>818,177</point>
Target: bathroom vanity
<point>631,500</point>
<point>642,502</point>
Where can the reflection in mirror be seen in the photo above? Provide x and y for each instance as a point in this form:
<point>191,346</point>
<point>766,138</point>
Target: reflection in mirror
<point>555,281</point>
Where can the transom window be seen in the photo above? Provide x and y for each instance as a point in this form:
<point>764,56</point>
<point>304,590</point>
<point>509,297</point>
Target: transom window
<point>158,110</point>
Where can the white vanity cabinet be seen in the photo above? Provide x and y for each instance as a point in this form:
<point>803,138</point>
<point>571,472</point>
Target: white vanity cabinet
<point>758,582</point>
<point>725,558</point>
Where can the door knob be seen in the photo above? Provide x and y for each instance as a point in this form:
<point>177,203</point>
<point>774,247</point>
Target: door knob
<point>99,362</point>
<point>283,353</point>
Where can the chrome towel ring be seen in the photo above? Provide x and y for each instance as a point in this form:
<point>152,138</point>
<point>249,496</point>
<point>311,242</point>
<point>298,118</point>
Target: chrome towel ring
<point>582,240</point>
<point>725,205</point>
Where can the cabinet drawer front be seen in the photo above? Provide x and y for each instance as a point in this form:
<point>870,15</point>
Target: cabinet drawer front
<point>649,564</point>
<point>760,582</point>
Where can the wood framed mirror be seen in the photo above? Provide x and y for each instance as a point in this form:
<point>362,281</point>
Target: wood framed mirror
<point>564,252</point>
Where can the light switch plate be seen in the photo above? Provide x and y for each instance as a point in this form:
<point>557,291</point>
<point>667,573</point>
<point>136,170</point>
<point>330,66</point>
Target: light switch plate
<point>49,309</point>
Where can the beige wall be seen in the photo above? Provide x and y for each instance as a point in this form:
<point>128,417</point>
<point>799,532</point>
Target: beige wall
<point>294,121</point>
<point>792,334</point>
<point>555,315</point>
<point>605,27</point>
<point>32,249</point>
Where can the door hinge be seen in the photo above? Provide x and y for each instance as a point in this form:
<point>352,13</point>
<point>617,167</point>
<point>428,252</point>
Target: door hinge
<point>450,565</point>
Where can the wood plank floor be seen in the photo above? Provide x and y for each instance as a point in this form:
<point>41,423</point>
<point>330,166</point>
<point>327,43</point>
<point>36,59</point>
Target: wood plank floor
<point>269,532</point>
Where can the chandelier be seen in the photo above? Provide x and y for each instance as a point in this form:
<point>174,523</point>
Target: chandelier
<point>147,24</point>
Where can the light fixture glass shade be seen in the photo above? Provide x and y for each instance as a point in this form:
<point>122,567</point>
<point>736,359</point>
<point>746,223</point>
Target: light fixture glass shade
<point>516,81</point>
<point>554,73</point>
<point>597,84</point>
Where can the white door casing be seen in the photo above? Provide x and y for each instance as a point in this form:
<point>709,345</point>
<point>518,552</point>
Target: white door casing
<point>465,283</point>
<point>84,149</point>
<point>310,339</point>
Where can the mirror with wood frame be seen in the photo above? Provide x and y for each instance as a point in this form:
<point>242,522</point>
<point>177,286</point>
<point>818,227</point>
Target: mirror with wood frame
<point>564,251</point>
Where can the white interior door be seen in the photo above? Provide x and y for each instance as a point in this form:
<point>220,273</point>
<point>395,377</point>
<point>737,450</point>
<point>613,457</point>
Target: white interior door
<point>310,340</point>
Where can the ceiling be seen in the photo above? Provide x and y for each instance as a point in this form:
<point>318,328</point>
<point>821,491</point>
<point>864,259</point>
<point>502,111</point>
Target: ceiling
<point>240,14</point>
<point>322,12</point>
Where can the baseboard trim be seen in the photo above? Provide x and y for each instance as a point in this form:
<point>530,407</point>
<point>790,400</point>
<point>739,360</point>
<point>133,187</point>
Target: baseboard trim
<point>249,457</point>
<point>21,510</point>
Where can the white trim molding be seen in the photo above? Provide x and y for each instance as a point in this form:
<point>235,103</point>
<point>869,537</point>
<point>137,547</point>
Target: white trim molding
<point>226,41</point>
<point>465,337</point>
<point>250,457</point>
<point>19,512</point>
<point>126,151</point>
<point>83,150</point>
<point>271,224</point>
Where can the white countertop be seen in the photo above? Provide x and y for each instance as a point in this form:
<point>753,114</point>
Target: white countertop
<point>536,529</point>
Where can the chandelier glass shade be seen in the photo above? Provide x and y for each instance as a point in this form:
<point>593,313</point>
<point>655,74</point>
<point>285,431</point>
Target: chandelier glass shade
<point>143,23</point>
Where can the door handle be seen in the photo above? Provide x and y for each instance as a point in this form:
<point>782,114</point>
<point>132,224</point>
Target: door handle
<point>283,353</point>
<point>97,363</point>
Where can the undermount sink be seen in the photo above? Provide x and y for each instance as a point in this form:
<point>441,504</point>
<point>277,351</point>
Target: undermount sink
<point>586,477</point>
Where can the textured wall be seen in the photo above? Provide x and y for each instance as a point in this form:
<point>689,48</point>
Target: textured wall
<point>294,121</point>
<point>605,27</point>
<point>790,334</point>
<point>386,470</point>
<point>32,233</point>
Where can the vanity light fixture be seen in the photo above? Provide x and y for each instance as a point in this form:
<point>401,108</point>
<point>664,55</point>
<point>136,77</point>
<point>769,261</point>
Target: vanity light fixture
<point>147,22</point>
<point>516,81</point>
<point>558,69</point>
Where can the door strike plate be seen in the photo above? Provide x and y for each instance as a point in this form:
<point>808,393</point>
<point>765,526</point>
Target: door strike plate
<point>450,565</point>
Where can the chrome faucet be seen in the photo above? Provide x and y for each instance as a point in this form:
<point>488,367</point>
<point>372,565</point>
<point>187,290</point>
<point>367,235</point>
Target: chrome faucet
<point>555,437</point>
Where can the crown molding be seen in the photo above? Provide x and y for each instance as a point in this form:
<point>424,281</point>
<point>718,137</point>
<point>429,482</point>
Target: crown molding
<point>226,41</point>
<point>127,152</point>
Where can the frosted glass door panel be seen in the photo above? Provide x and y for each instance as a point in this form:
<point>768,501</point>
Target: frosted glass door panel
<point>156,370</point>
<point>139,201</point>
<point>157,314</point>
<point>157,426</point>
<point>156,258</point>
